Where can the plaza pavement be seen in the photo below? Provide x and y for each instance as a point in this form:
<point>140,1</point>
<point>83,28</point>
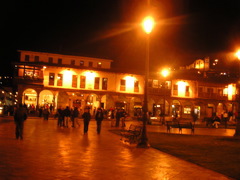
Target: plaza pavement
<point>54,153</point>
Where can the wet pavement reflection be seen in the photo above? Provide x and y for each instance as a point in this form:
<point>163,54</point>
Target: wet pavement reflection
<point>51,152</point>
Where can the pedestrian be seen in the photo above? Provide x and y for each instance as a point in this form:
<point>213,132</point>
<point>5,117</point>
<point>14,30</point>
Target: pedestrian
<point>225,119</point>
<point>45,114</point>
<point>74,115</point>
<point>67,114</point>
<point>123,116</point>
<point>99,118</point>
<point>60,116</point>
<point>118,117</point>
<point>19,117</point>
<point>86,118</point>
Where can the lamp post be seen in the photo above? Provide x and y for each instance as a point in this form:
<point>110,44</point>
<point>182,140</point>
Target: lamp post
<point>147,24</point>
<point>237,132</point>
<point>164,73</point>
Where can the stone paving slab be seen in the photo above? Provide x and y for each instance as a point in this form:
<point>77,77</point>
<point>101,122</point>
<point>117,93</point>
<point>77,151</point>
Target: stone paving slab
<point>50,152</point>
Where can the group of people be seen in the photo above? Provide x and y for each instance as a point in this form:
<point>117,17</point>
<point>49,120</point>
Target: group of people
<point>67,114</point>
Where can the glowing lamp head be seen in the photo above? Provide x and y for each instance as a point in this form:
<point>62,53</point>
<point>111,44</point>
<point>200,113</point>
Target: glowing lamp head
<point>148,24</point>
<point>238,54</point>
<point>165,72</point>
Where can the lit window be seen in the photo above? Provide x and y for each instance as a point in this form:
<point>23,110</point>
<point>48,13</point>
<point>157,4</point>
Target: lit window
<point>74,81</point>
<point>81,63</point>
<point>82,81</point>
<point>99,65</point>
<point>104,83</point>
<point>123,85</point>
<point>96,83</point>
<point>51,79</point>
<point>59,80</point>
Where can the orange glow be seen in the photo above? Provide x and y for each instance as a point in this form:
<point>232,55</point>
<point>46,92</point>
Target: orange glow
<point>67,78</point>
<point>90,76</point>
<point>231,90</point>
<point>181,88</point>
<point>148,24</point>
<point>129,82</point>
<point>238,54</point>
<point>165,72</point>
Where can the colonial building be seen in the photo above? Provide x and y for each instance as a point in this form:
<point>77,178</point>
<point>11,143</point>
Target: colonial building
<point>48,79</point>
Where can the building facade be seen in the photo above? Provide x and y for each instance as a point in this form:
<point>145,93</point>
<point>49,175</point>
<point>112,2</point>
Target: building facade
<point>48,79</point>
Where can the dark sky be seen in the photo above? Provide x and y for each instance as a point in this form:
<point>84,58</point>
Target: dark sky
<point>186,30</point>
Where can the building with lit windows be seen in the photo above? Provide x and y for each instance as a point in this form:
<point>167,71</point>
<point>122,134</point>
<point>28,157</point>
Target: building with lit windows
<point>48,79</point>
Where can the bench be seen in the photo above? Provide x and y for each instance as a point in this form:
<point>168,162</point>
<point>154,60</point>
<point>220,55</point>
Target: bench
<point>132,134</point>
<point>180,126</point>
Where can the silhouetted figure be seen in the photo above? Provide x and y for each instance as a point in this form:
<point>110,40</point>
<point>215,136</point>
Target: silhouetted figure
<point>19,117</point>
<point>45,114</point>
<point>67,114</point>
<point>86,118</point>
<point>99,118</point>
<point>74,115</point>
<point>60,116</point>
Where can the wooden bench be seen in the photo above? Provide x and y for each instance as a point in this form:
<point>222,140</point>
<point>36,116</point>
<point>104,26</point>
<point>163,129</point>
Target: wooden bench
<point>180,126</point>
<point>132,134</point>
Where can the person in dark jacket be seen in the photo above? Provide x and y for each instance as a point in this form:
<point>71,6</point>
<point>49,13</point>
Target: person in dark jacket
<point>60,116</point>
<point>86,118</point>
<point>74,115</point>
<point>118,116</point>
<point>99,118</point>
<point>20,116</point>
<point>67,114</point>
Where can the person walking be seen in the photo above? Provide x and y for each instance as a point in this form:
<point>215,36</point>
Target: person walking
<point>86,118</point>
<point>60,116</point>
<point>67,114</point>
<point>19,117</point>
<point>118,117</point>
<point>45,113</point>
<point>74,115</point>
<point>99,118</point>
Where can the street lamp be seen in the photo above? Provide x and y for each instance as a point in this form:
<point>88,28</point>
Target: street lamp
<point>237,132</point>
<point>165,73</point>
<point>148,24</point>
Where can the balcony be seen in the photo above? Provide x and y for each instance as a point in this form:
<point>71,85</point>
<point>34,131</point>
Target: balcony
<point>159,91</point>
<point>216,96</point>
<point>28,80</point>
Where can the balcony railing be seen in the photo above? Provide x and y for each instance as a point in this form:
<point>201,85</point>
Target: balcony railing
<point>28,80</point>
<point>212,96</point>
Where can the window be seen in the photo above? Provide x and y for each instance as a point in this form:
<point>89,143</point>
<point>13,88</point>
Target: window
<point>90,64</point>
<point>82,81</point>
<point>200,89</point>
<point>74,81</point>
<point>36,58</point>
<point>187,93</point>
<point>136,86</point>
<point>81,63</point>
<point>99,64</point>
<point>104,83</point>
<point>155,83</point>
<point>51,79</point>
<point>123,85</point>
<point>96,82</point>
<point>59,61</point>
<point>59,80</point>
<point>175,89</point>
<point>72,62</point>
<point>27,58</point>
<point>210,90</point>
<point>50,60</point>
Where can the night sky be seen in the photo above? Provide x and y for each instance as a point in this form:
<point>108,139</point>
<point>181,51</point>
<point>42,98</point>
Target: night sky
<point>186,30</point>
